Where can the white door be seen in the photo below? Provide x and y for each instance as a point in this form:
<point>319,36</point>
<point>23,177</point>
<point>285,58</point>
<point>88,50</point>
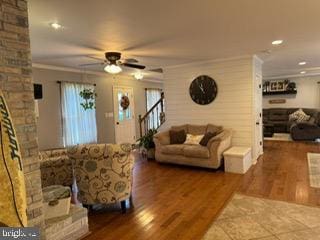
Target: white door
<point>124,119</point>
<point>258,117</point>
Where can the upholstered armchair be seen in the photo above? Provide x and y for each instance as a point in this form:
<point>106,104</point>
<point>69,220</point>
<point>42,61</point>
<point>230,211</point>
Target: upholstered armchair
<point>103,173</point>
<point>56,168</point>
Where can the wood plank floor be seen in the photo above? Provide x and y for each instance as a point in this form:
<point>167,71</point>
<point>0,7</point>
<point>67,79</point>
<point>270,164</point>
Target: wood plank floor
<point>174,202</point>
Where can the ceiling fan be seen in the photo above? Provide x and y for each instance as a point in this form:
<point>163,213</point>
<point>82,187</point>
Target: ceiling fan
<point>112,63</point>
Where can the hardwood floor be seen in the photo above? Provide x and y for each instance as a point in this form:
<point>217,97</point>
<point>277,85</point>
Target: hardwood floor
<point>174,202</point>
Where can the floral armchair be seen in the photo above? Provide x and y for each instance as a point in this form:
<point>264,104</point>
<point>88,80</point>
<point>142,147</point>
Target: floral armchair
<point>56,168</point>
<point>103,172</point>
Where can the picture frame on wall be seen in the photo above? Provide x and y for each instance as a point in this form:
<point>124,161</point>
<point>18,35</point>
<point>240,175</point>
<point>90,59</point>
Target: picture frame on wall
<point>281,86</point>
<point>277,86</point>
<point>273,86</point>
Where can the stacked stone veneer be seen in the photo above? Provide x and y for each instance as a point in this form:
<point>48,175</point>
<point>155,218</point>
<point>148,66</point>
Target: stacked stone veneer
<point>17,85</point>
<point>72,227</point>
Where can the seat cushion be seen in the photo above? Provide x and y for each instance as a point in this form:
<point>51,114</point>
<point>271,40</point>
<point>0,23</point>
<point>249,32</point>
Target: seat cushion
<point>197,129</point>
<point>196,151</point>
<point>174,149</point>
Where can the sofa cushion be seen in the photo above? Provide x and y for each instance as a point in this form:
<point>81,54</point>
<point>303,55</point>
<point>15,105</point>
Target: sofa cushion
<point>214,129</point>
<point>197,129</point>
<point>193,139</point>
<point>175,149</point>
<point>196,151</point>
<point>278,115</point>
<point>299,116</point>
<point>177,137</point>
<point>204,141</point>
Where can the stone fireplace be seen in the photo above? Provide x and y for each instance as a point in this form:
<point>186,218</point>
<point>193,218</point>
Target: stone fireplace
<point>17,84</point>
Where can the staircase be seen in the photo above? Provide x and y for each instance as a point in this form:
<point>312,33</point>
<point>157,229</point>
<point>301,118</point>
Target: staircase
<point>154,118</point>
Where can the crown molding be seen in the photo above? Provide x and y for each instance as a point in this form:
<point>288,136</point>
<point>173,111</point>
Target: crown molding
<point>195,63</point>
<point>291,76</point>
<point>76,70</point>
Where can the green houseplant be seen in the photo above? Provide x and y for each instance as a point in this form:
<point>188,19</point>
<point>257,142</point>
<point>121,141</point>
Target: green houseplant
<point>147,143</point>
<point>89,97</point>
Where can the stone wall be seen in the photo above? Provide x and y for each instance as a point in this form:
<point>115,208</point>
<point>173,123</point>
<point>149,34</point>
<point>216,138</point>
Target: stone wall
<point>17,85</point>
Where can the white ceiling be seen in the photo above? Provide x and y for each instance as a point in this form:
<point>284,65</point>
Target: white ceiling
<point>170,32</point>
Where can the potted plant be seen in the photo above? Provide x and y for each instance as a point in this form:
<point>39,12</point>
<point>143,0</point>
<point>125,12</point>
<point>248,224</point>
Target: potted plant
<point>147,143</point>
<point>89,97</point>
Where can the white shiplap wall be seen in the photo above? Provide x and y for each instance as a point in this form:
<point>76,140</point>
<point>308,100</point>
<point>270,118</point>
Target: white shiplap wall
<point>233,107</point>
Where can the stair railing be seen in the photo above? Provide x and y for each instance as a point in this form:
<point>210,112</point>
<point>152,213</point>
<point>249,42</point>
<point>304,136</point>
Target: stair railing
<point>154,118</point>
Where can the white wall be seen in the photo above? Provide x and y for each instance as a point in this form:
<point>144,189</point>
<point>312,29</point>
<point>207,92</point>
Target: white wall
<point>308,95</point>
<point>49,121</point>
<point>233,107</point>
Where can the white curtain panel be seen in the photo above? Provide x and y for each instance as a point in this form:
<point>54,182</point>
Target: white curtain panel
<point>153,96</point>
<point>79,125</point>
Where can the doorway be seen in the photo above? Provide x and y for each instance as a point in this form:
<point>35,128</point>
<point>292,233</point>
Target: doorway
<point>124,119</point>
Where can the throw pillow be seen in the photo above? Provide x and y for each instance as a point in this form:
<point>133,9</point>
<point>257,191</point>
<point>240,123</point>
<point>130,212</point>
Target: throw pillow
<point>193,139</point>
<point>177,137</point>
<point>299,116</point>
<point>206,138</point>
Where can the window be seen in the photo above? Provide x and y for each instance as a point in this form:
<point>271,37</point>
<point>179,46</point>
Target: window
<point>153,95</point>
<point>79,125</point>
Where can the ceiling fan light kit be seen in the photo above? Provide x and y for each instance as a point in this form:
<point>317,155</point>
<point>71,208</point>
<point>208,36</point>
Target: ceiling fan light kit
<point>138,75</point>
<point>113,64</point>
<point>113,69</point>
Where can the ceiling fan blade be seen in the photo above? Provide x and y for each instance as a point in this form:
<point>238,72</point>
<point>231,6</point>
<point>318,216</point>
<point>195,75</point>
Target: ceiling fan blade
<point>133,65</point>
<point>96,58</point>
<point>131,60</point>
<point>157,70</point>
<point>91,64</point>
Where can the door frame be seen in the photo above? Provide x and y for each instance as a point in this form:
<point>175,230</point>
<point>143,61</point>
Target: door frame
<point>115,107</point>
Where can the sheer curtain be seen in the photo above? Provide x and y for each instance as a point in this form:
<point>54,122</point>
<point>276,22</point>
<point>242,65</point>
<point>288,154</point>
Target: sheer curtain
<point>79,125</point>
<point>153,96</point>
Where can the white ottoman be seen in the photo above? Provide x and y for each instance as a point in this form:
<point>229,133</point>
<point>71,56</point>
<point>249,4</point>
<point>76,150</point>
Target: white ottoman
<point>237,160</point>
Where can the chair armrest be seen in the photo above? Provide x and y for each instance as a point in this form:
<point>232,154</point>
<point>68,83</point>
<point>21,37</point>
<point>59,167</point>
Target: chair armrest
<point>162,137</point>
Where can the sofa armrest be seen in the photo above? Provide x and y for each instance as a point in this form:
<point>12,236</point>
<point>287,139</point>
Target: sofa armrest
<point>218,145</point>
<point>227,133</point>
<point>162,137</point>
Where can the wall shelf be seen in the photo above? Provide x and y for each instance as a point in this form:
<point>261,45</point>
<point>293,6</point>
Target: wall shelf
<point>280,93</point>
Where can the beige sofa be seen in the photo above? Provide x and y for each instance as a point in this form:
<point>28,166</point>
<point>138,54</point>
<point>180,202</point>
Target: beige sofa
<point>194,155</point>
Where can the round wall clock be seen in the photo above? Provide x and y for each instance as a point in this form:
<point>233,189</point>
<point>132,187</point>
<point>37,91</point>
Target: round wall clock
<point>203,90</point>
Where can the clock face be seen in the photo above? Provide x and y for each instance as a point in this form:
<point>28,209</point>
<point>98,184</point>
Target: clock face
<point>203,90</point>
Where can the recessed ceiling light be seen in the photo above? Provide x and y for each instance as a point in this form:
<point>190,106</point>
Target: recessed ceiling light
<point>277,42</point>
<point>55,25</point>
<point>303,72</point>
<point>302,63</point>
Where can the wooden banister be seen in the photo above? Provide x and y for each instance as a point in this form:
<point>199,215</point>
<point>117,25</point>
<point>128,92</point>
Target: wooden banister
<point>153,118</point>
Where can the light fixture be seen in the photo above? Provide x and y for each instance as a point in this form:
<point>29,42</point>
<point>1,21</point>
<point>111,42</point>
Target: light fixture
<point>138,75</point>
<point>303,72</point>
<point>55,25</point>
<point>302,63</point>
<point>113,69</point>
<point>277,42</point>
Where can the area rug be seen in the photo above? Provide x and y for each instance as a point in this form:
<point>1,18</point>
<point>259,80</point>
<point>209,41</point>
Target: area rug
<point>247,218</point>
<point>314,169</point>
<point>280,137</point>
